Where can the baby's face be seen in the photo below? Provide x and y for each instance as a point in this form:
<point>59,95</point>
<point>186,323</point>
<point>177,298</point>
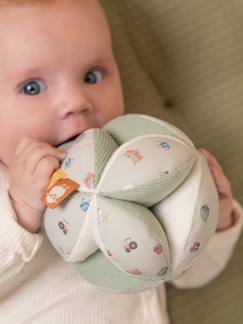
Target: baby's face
<point>58,72</point>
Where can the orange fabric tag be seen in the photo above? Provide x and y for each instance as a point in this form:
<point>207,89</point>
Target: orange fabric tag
<point>58,192</point>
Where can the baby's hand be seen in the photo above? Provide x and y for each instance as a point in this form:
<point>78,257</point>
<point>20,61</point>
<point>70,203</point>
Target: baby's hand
<point>30,173</point>
<point>224,190</point>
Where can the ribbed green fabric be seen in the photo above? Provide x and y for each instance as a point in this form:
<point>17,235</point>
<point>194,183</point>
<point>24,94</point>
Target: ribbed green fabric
<point>98,261</point>
<point>104,147</point>
<point>125,129</point>
<point>183,61</point>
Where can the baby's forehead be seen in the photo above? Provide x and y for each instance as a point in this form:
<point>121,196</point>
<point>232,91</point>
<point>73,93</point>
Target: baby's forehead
<point>85,18</point>
<point>85,7</point>
<point>4,4</point>
<point>30,38</point>
<point>38,2</point>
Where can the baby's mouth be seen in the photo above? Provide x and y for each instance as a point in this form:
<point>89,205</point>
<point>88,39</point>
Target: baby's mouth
<point>71,138</point>
<point>68,141</point>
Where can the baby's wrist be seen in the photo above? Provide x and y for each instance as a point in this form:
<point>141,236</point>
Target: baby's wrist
<point>27,217</point>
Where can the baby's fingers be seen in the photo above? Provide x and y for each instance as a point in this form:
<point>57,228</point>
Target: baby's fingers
<point>222,182</point>
<point>212,161</point>
<point>30,152</point>
<point>45,169</point>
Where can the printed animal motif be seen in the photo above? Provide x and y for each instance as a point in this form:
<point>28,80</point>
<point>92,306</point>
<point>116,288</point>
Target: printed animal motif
<point>134,155</point>
<point>56,193</point>
<point>89,181</point>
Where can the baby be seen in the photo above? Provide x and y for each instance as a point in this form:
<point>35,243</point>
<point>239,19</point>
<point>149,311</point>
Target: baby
<point>58,78</point>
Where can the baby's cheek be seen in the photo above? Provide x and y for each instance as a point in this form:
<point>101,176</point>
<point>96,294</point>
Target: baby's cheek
<point>116,111</point>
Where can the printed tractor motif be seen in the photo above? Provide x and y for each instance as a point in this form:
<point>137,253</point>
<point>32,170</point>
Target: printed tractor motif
<point>63,226</point>
<point>130,245</point>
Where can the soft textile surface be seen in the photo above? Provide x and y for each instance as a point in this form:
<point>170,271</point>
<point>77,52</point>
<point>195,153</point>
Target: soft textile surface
<point>182,61</point>
<point>145,204</point>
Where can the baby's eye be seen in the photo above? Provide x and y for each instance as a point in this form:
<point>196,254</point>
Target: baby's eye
<point>33,88</point>
<point>94,76</point>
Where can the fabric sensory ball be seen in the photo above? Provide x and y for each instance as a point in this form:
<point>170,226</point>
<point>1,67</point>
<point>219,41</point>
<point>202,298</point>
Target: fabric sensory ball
<point>132,205</point>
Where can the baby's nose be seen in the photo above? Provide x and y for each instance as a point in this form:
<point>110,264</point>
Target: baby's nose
<point>73,101</point>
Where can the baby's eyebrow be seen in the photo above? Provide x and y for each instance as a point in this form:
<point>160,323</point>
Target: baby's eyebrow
<point>33,70</point>
<point>25,73</point>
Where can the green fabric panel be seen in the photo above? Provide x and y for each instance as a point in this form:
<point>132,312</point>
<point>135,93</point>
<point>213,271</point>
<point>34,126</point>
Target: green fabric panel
<point>117,280</point>
<point>104,147</point>
<point>123,130</point>
<point>183,61</point>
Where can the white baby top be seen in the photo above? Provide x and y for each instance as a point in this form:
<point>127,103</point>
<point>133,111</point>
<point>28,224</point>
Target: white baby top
<point>37,286</point>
